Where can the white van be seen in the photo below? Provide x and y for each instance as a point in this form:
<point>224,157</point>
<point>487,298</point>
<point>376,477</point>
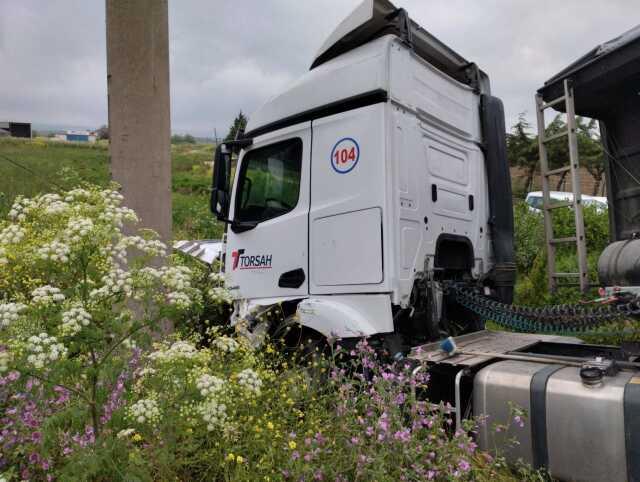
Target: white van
<point>535,200</point>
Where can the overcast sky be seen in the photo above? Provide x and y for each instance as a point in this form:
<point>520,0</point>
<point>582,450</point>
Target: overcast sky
<point>232,55</point>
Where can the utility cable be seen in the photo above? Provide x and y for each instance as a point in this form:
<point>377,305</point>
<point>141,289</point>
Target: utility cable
<point>30,171</point>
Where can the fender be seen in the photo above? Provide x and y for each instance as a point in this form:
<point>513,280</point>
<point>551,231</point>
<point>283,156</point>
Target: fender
<point>244,307</point>
<point>347,316</point>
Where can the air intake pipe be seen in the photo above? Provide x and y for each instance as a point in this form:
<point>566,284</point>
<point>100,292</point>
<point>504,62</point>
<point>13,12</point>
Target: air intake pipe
<point>503,273</point>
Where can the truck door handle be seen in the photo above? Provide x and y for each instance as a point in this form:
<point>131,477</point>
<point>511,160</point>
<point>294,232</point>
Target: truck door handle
<point>292,279</point>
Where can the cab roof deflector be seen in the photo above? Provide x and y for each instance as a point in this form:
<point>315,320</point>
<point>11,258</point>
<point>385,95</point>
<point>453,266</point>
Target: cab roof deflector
<point>375,18</point>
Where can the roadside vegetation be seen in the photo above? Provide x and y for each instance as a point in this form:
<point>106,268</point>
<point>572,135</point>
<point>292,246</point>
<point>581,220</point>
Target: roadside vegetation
<point>90,390</point>
<point>30,167</point>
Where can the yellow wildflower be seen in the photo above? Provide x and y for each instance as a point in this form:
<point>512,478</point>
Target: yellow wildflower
<point>292,445</point>
<point>270,425</point>
<point>239,459</point>
<point>230,457</point>
<point>137,437</point>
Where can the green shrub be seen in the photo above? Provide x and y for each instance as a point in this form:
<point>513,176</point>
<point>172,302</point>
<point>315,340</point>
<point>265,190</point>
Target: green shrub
<point>531,256</point>
<point>528,235</point>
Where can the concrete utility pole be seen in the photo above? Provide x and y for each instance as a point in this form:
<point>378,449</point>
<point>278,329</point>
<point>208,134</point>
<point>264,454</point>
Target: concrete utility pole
<point>139,108</point>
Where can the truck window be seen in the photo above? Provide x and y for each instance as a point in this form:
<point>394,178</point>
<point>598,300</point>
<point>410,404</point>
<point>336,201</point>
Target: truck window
<point>269,182</point>
<point>535,202</point>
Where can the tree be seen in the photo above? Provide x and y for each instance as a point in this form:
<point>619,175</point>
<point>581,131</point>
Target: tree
<point>522,149</point>
<point>238,126</point>
<point>557,149</point>
<point>102,133</point>
<point>185,139</point>
<point>591,151</point>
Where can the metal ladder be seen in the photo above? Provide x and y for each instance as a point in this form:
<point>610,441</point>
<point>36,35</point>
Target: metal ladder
<point>582,275</point>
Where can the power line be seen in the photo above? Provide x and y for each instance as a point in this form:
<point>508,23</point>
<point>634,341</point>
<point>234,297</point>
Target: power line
<point>30,171</point>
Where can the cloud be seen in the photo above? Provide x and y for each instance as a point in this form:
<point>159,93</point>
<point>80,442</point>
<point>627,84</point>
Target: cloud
<point>227,56</point>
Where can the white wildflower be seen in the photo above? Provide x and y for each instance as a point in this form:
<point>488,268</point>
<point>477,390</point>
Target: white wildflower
<point>225,344</point>
<point>147,372</point>
<point>54,251</point>
<point>114,282</point>
<point>213,413</point>
<point>180,300</point>
<point>48,198</point>
<point>145,411</point>
<point>77,194</point>
<point>47,294</point>
<point>56,207</point>
<point>12,234</point>
<point>21,207</point>
<point>209,385</point>
<point>10,312</point>
<point>220,295</point>
<point>5,358</point>
<point>147,276</point>
<point>178,350</point>
<point>111,197</point>
<point>73,320</point>
<point>249,380</point>
<point>217,279</point>
<point>44,349</point>
<point>78,229</point>
<point>177,278</point>
<point>52,203</point>
<point>117,215</point>
<point>152,247</point>
<point>126,433</point>
<point>113,213</point>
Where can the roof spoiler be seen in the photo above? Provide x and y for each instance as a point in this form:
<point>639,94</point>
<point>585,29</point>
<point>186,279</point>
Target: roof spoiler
<point>375,18</point>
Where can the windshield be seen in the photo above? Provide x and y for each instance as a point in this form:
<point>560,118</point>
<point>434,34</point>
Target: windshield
<point>535,201</point>
<point>269,182</point>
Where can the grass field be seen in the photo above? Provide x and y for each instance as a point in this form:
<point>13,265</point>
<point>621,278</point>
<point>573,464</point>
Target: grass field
<point>29,167</point>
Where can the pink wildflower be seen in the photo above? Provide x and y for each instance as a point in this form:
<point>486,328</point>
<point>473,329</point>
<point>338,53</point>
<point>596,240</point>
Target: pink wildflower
<point>402,435</point>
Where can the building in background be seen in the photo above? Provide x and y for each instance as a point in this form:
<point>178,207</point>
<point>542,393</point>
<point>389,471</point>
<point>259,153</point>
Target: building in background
<point>77,136</point>
<point>15,129</point>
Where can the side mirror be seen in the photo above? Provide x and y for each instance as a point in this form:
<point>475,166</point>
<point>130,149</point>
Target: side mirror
<point>220,184</point>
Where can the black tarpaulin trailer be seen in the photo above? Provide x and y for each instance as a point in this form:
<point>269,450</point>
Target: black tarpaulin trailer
<point>606,83</point>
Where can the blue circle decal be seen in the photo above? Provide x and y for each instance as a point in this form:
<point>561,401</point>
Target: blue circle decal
<point>345,155</point>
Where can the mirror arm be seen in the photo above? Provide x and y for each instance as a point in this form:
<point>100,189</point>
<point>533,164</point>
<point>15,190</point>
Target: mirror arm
<point>242,226</point>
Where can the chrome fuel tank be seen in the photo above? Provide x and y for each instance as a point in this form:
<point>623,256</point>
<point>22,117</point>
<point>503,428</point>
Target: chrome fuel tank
<point>578,432</point>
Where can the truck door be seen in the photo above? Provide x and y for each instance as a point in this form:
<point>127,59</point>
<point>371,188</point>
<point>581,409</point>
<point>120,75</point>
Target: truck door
<point>347,203</point>
<point>272,190</point>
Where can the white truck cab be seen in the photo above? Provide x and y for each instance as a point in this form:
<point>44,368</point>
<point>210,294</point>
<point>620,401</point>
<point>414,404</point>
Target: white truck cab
<point>378,175</point>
